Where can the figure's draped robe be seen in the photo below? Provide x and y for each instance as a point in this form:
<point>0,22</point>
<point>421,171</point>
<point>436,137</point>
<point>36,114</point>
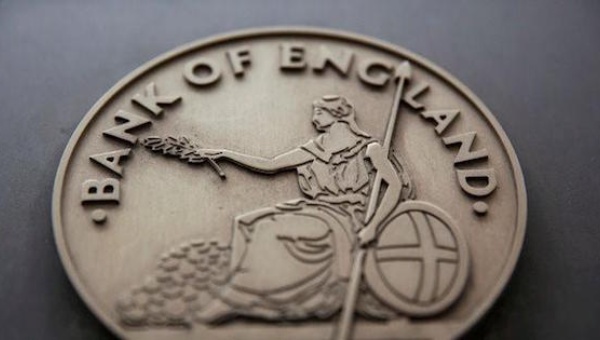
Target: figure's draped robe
<point>292,261</point>
<point>287,262</point>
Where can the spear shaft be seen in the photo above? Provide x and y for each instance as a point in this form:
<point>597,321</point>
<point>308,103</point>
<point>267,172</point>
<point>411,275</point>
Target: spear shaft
<point>403,74</point>
<point>345,326</point>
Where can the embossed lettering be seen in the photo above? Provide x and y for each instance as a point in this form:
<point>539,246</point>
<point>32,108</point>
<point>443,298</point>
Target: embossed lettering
<point>238,57</point>
<point>292,56</point>
<point>466,142</point>
<point>106,190</point>
<point>339,61</point>
<point>130,122</point>
<point>151,102</point>
<point>442,118</point>
<point>487,175</point>
<point>110,160</point>
<point>374,72</point>
<point>192,75</point>
<point>415,91</point>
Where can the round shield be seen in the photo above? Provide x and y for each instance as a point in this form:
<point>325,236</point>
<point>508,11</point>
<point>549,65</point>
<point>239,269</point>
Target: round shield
<point>419,263</point>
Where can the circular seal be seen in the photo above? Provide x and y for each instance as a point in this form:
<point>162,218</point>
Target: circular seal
<point>289,182</point>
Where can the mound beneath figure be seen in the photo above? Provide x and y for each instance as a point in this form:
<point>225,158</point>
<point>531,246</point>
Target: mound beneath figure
<point>185,281</point>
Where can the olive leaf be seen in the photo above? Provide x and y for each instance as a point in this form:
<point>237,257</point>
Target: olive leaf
<point>181,148</point>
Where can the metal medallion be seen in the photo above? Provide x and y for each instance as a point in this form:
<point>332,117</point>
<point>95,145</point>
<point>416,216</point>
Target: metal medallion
<point>295,183</point>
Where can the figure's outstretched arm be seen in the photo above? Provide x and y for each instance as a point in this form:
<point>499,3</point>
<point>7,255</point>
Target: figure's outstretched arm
<point>285,161</point>
<point>382,164</point>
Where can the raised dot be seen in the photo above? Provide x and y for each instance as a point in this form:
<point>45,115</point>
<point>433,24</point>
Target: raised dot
<point>99,216</point>
<point>480,207</point>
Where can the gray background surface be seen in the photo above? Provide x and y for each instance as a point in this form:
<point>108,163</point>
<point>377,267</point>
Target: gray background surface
<point>534,63</point>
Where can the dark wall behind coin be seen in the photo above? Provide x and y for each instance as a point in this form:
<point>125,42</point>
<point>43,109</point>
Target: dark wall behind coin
<point>534,63</point>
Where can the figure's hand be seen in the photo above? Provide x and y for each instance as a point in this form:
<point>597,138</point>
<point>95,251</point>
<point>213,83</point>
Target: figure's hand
<point>366,235</point>
<point>213,154</point>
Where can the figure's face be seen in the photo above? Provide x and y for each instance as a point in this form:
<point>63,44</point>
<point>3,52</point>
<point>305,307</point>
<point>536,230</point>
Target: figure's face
<point>322,119</point>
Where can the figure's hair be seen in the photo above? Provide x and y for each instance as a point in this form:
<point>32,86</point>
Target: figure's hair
<point>341,109</point>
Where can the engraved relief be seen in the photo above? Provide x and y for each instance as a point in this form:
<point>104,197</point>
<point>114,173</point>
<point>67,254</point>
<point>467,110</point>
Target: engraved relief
<point>326,251</point>
<point>369,244</point>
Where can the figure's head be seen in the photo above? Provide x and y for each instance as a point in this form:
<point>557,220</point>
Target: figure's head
<point>331,109</point>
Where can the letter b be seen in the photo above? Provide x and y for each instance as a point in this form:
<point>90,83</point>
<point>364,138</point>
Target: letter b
<point>106,190</point>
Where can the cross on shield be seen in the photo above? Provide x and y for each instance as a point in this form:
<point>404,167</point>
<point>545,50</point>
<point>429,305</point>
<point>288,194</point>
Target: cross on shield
<point>420,262</point>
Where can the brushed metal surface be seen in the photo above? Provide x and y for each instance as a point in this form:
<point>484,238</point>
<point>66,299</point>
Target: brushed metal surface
<point>388,178</point>
<point>533,64</point>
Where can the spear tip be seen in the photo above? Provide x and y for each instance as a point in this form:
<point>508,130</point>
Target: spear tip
<point>403,71</point>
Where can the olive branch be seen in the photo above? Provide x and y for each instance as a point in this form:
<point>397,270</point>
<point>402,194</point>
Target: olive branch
<point>181,148</point>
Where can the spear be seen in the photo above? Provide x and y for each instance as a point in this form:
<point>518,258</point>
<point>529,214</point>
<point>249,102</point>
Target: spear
<point>402,75</point>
